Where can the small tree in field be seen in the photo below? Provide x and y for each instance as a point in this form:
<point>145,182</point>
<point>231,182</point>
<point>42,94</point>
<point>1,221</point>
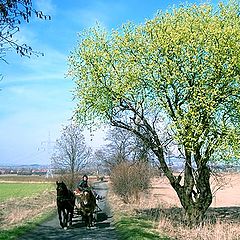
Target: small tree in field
<point>179,73</point>
<point>71,153</point>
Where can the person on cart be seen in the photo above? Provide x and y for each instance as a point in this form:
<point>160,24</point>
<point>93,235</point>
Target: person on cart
<point>83,185</point>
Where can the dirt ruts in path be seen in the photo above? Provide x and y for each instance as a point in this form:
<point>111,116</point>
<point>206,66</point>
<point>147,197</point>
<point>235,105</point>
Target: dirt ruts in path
<point>103,229</point>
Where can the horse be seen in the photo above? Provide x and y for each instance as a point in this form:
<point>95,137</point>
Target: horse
<point>88,205</point>
<point>65,204</point>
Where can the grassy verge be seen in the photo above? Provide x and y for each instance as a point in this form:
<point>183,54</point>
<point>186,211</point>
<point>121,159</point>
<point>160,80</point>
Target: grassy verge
<point>18,231</point>
<point>134,228</point>
<point>129,224</point>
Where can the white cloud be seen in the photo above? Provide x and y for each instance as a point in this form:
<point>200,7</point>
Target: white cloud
<point>46,6</point>
<point>18,90</point>
<point>89,17</point>
<point>102,12</point>
<point>51,66</point>
<point>53,62</point>
<point>25,36</point>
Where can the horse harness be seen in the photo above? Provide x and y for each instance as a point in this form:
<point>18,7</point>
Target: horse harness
<point>62,199</point>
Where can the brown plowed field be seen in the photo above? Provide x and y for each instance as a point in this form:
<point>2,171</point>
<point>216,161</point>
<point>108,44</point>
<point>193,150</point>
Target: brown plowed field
<point>225,186</point>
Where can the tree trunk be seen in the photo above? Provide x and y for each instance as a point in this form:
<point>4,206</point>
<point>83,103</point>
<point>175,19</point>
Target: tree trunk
<point>72,180</point>
<point>195,194</point>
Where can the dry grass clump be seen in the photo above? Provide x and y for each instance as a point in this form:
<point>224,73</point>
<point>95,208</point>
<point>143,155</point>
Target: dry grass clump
<point>16,211</point>
<point>217,231</point>
<point>117,205</point>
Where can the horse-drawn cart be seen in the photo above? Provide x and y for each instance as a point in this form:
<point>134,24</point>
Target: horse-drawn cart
<point>86,207</point>
<point>82,204</point>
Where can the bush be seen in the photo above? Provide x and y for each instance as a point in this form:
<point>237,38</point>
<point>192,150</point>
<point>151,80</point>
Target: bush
<point>129,179</point>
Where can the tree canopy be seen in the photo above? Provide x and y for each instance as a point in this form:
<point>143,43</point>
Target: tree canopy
<point>182,66</point>
<point>173,81</point>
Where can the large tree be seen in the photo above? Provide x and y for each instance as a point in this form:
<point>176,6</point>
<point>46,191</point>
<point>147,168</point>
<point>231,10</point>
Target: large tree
<point>12,14</point>
<point>71,152</point>
<point>182,69</point>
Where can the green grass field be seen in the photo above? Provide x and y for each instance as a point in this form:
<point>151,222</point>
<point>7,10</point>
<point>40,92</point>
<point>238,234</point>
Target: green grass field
<point>25,195</point>
<point>19,190</point>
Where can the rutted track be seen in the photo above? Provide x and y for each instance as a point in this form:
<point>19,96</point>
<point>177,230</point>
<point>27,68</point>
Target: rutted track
<point>103,229</point>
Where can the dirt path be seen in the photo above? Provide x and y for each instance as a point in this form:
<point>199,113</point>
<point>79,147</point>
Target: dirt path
<point>103,230</point>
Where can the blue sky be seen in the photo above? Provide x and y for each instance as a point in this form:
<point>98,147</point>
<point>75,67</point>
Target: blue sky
<point>36,98</point>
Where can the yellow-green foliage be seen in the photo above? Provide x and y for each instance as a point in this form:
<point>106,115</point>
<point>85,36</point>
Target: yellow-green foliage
<point>183,65</point>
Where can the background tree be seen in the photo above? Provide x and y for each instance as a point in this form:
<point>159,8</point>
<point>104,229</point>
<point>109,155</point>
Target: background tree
<point>99,161</point>
<point>71,153</point>
<point>181,67</point>
<point>123,146</point>
<point>118,149</point>
<point>12,14</point>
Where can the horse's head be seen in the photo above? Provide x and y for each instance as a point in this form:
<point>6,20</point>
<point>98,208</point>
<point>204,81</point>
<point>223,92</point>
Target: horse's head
<point>86,198</point>
<point>61,188</point>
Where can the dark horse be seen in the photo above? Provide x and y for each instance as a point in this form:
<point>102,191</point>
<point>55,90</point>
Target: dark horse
<point>88,205</point>
<point>65,204</point>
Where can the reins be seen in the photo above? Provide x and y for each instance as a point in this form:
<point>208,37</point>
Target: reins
<point>64,199</point>
<point>67,198</point>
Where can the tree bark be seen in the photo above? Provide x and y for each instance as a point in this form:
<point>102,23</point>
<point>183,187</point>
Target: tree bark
<point>195,194</point>
<point>196,204</point>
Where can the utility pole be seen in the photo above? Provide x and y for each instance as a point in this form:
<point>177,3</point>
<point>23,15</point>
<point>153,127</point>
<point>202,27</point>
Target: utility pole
<point>48,146</point>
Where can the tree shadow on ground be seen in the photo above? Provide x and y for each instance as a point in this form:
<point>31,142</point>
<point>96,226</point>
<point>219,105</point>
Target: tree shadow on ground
<point>227,214</point>
<point>100,221</point>
<point>102,216</point>
<point>77,231</point>
<point>52,230</point>
<point>98,188</point>
<point>176,215</point>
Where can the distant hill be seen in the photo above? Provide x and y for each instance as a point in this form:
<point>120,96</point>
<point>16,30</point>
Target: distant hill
<point>24,166</point>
